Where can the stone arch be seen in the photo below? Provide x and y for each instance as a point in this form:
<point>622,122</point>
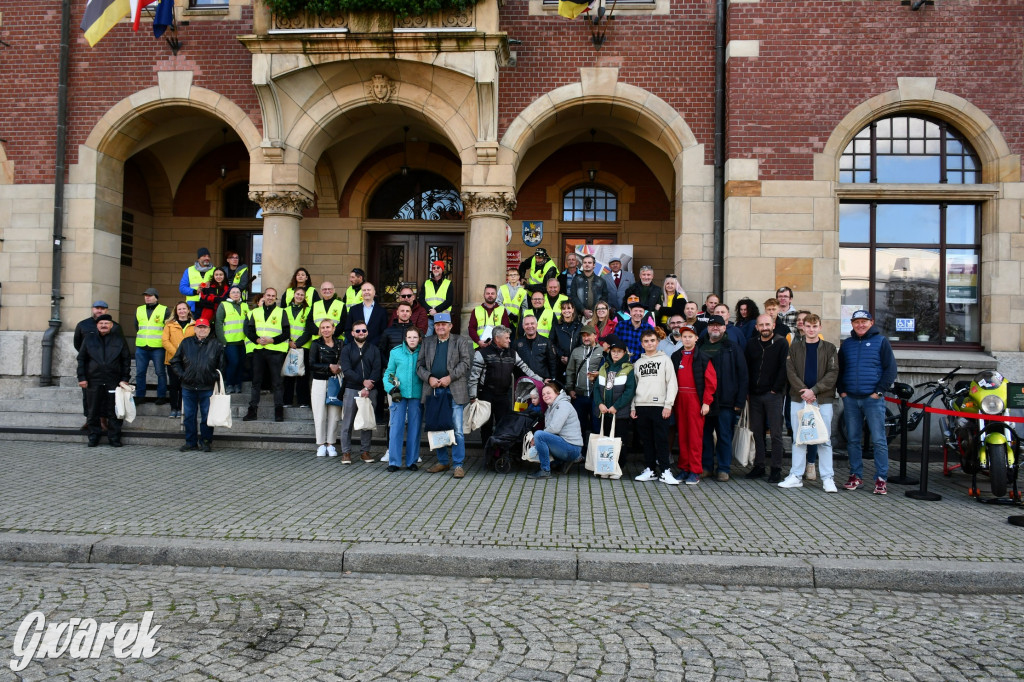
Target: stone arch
<point>366,185</point>
<point>920,95</point>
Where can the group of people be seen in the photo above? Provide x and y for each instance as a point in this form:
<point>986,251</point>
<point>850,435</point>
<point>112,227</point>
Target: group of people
<point>610,350</point>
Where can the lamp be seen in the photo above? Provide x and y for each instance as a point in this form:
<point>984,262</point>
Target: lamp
<point>592,171</point>
<point>405,151</point>
<point>223,143</point>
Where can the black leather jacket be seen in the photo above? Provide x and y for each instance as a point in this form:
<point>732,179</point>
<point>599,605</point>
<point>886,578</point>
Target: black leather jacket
<point>197,362</point>
<point>104,359</point>
<point>321,357</point>
<point>537,354</point>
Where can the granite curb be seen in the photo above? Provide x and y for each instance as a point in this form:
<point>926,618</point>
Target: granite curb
<point>479,562</point>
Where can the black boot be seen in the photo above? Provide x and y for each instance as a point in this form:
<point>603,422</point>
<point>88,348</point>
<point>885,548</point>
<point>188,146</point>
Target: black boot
<point>756,472</point>
<point>776,475</point>
<point>279,413</point>
<point>250,416</point>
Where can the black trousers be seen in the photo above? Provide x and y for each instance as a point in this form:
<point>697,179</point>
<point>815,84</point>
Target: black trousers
<point>174,388</point>
<point>500,407</point>
<point>653,431</point>
<point>296,389</point>
<point>267,363</point>
<point>101,406</point>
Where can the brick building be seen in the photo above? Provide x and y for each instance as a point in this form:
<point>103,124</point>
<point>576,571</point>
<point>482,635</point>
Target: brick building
<point>871,155</point>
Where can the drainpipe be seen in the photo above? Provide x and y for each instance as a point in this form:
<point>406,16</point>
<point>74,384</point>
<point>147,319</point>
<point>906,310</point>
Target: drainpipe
<point>50,335</point>
<point>718,264</point>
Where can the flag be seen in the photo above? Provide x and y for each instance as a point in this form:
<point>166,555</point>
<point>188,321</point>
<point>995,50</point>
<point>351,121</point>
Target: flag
<point>100,16</point>
<point>571,10</point>
<point>136,11</point>
<point>164,17</point>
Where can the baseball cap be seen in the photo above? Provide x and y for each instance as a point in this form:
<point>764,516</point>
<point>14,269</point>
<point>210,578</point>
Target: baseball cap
<point>716,319</point>
<point>688,328</point>
<point>614,341</point>
<point>202,322</point>
<point>100,304</point>
<point>437,263</point>
<point>443,317</point>
<point>861,315</point>
<point>588,329</point>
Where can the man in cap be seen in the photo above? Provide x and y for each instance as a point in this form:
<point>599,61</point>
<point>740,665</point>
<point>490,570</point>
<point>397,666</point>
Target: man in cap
<point>493,377</point>
<point>444,363</point>
<point>537,270</point>
<point>630,330</point>
<point>436,294</point>
<point>584,363</point>
<point>83,329</point>
<point>198,273</point>
<point>149,345</point>
<point>103,364</point>
<point>196,363</point>
<point>867,368</point>
<point>618,280</point>
<point>730,397</point>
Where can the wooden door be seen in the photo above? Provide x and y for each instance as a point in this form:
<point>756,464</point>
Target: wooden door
<point>403,259</point>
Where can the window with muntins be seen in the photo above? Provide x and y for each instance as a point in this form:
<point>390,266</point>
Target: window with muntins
<point>588,204</point>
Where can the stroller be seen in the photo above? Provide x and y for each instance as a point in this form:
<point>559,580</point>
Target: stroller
<point>506,441</point>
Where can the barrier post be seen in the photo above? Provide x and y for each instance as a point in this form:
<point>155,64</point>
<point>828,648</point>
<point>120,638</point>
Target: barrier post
<point>922,493</point>
<point>903,479</point>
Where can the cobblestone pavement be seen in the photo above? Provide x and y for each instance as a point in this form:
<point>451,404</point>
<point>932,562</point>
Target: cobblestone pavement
<point>258,625</point>
<point>289,495</point>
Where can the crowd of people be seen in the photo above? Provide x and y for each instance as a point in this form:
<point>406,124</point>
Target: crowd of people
<point>670,376</point>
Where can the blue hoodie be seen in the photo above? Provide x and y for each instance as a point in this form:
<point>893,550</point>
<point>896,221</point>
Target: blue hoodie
<point>866,364</point>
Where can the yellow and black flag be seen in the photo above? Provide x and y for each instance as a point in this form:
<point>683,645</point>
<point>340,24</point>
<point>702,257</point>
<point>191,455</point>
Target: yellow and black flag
<point>571,10</point>
<point>100,17</point>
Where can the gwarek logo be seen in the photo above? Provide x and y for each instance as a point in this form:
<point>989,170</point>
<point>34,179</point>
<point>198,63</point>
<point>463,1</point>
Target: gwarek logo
<point>82,638</point>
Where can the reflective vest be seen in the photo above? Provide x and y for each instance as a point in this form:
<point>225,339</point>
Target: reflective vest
<point>321,313</point>
<point>241,273</point>
<point>557,308</point>
<point>195,278</point>
<point>544,321</point>
<point>434,295</point>
<point>289,294</point>
<point>234,321</point>
<point>486,322</point>
<point>297,325</point>
<point>353,298</point>
<point>151,329</point>
<point>270,327</point>
<point>512,303</point>
<point>546,272</point>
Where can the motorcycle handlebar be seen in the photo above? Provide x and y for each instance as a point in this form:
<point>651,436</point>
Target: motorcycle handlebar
<point>942,381</point>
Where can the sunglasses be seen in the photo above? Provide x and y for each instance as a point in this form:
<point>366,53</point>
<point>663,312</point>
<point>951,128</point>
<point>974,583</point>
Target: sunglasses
<point>406,295</point>
<point>358,331</point>
<point>672,276</point>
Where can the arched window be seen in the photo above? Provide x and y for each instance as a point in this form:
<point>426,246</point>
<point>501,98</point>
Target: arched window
<point>237,203</point>
<point>589,204</point>
<point>417,195</point>
<point>913,261</point>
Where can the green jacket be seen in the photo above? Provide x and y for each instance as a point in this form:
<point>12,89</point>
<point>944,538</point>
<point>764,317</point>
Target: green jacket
<point>623,389</point>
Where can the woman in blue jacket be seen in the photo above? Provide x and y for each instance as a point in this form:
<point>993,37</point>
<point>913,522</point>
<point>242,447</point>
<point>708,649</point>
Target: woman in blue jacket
<point>401,372</point>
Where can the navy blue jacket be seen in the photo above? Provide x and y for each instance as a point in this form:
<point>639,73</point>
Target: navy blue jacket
<point>731,368</point>
<point>866,364</point>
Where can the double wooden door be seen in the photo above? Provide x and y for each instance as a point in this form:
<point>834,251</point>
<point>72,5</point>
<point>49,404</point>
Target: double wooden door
<point>398,259</point>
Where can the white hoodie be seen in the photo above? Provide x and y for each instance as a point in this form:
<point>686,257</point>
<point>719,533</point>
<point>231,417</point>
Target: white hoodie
<point>656,384</point>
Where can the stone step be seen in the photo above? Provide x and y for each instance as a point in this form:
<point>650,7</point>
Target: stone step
<point>239,407</point>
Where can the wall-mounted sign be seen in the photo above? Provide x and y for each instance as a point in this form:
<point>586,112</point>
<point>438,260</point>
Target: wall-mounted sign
<point>533,232</point>
<point>905,324</point>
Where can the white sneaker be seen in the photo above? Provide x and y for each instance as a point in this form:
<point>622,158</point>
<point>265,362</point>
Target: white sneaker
<point>792,481</point>
<point>332,451</point>
<point>667,477</point>
<point>647,475</point>
<point>812,472</point>
<point>321,451</point>
<point>419,460</point>
<point>387,455</point>
<point>828,485</point>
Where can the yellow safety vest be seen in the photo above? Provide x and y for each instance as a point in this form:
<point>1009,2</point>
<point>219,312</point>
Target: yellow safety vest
<point>434,296</point>
<point>151,329</point>
<point>321,313</point>
<point>195,278</point>
<point>289,294</point>
<point>544,321</point>
<point>234,321</point>
<point>297,325</point>
<point>270,327</point>
<point>557,308</point>
<point>486,322</point>
<point>241,272</point>
<point>512,302</point>
<point>353,298</point>
<point>540,276</point>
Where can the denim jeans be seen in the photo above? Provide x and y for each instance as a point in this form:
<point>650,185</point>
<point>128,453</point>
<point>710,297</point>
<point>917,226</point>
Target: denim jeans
<point>800,452</point>
<point>856,410</point>
<point>551,446</point>
<point>724,423</point>
<point>190,401</point>
<point>234,358</point>
<point>459,449</point>
<point>399,431</point>
<point>143,356</point>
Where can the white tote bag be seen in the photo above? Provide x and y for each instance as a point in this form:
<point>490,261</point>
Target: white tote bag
<point>603,453</point>
<point>810,428</point>
<point>743,440</point>
<point>124,404</point>
<point>220,405</point>
<point>529,451</point>
<point>365,419</point>
<point>440,439</point>
<point>294,363</point>
<point>475,415</point>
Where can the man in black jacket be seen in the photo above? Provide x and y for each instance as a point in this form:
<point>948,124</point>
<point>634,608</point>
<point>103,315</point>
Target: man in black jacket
<point>196,364</point>
<point>766,365</point>
<point>267,327</point>
<point>83,329</point>
<point>534,349</point>
<point>362,371</point>
<point>103,364</point>
<point>730,397</point>
<point>494,375</point>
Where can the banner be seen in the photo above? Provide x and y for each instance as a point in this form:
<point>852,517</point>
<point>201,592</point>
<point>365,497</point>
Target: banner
<point>602,253</point>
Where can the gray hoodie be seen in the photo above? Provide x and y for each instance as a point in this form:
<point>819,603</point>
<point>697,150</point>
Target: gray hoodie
<point>561,420</point>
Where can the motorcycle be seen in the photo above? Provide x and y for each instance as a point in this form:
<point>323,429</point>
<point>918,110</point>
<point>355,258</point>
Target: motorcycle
<point>989,444</point>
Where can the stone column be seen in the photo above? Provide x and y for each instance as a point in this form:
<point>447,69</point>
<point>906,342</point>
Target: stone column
<point>488,214</point>
<point>282,212</point>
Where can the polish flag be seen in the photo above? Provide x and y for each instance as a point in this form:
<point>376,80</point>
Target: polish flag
<point>136,7</point>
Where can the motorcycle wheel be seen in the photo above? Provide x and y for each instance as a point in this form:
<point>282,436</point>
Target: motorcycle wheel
<point>997,468</point>
<point>967,444</point>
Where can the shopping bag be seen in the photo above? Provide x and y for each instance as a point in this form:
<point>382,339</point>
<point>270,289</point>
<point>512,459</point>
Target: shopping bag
<point>475,415</point>
<point>365,419</point>
<point>335,395</point>
<point>811,429</point>
<point>294,364</point>
<point>124,404</point>
<point>440,439</point>
<point>743,440</point>
<point>529,451</point>
<point>603,453</point>
<point>437,411</point>
<point>219,413</point>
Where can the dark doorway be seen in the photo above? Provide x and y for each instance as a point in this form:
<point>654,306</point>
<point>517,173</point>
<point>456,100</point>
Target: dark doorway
<point>403,258</point>
<point>249,245</point>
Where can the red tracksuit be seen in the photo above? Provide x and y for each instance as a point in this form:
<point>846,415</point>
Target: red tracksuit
<point>689,420</point>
